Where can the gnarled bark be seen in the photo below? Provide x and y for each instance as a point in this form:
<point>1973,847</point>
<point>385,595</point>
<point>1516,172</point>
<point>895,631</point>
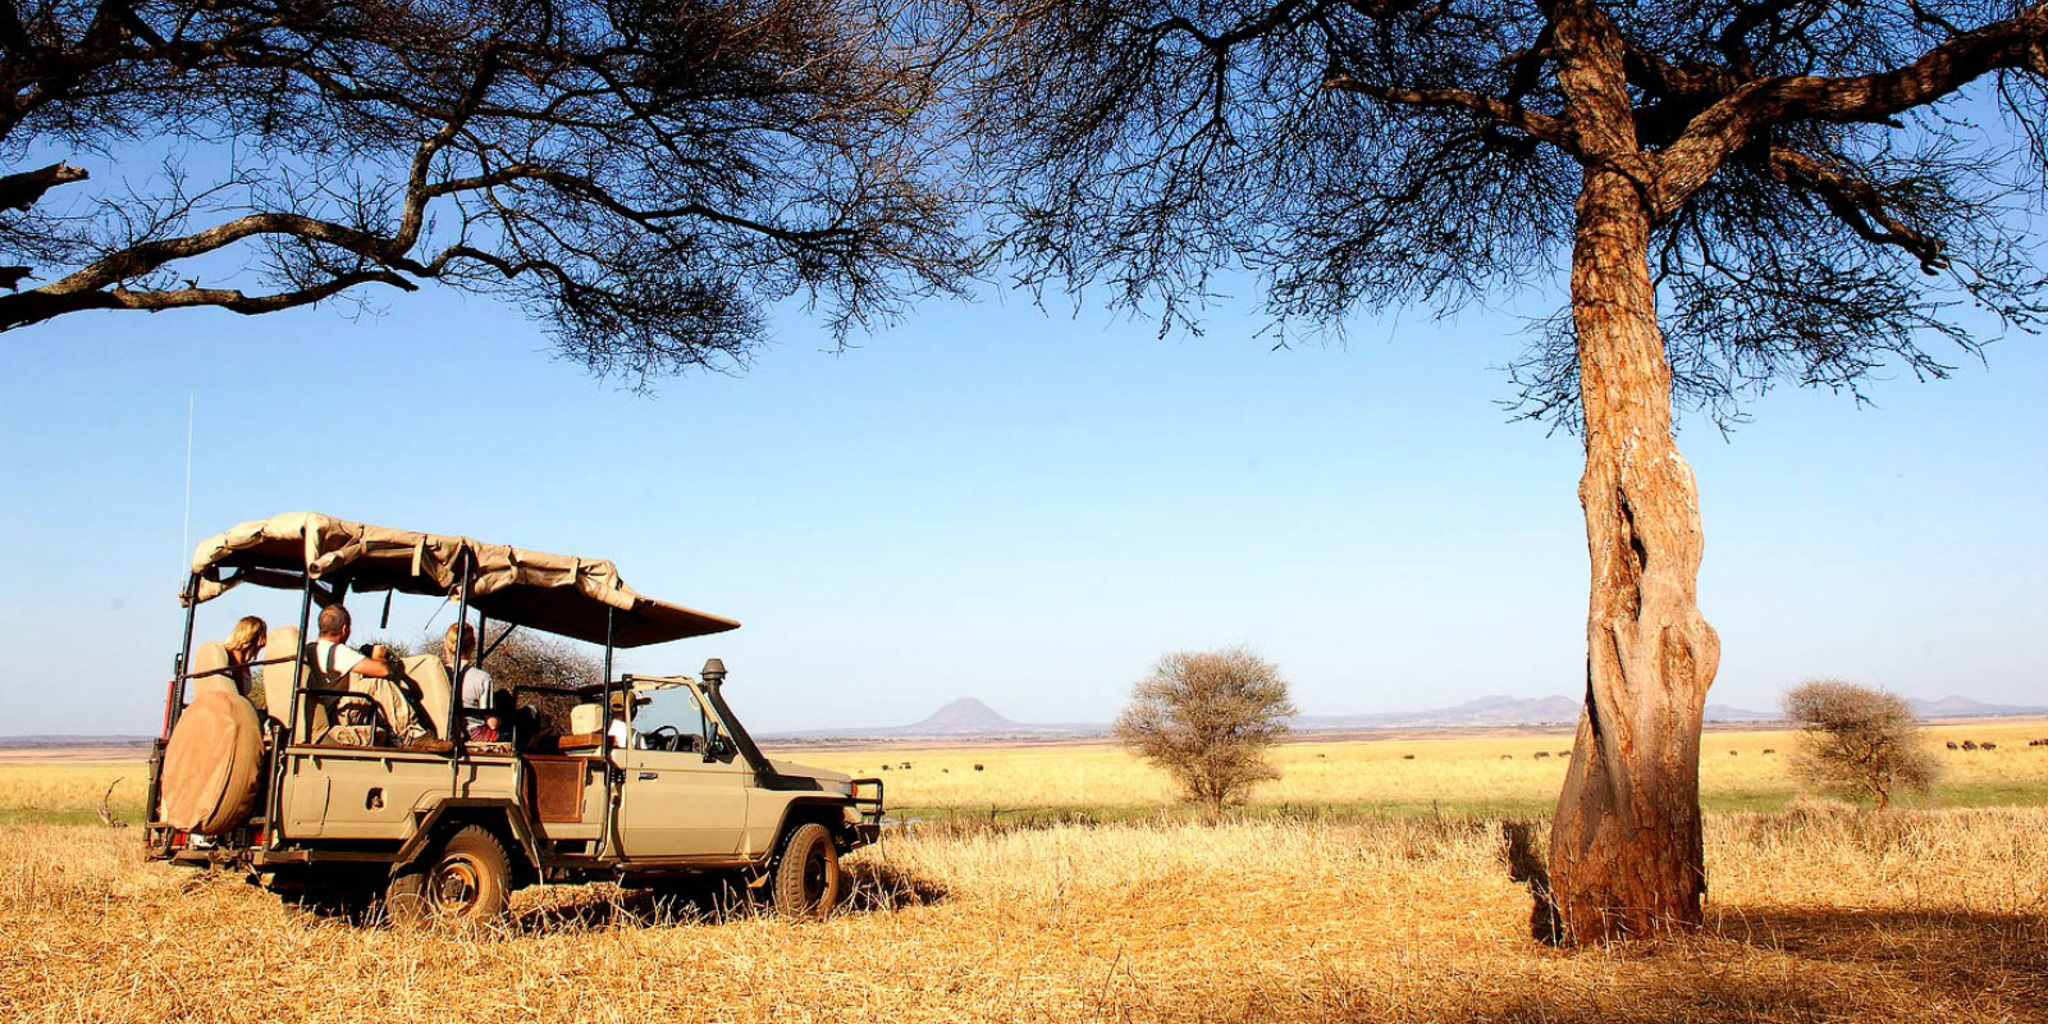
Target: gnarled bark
<point>1625,854</point>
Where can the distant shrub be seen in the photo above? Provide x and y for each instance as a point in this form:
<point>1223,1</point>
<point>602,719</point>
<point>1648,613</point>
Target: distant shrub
<point>1858,741</point>
<point>1208,718</point>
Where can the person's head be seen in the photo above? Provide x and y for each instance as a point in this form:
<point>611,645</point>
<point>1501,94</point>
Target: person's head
<point>248,637</point>
<point>334,623</point>
<point>461,640</point>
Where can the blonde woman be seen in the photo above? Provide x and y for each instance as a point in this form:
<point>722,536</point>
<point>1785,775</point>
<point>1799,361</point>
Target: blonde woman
<point>244,643</point>
<point>475,684</point>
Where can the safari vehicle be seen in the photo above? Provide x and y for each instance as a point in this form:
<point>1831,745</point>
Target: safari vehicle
<point>345,790</point>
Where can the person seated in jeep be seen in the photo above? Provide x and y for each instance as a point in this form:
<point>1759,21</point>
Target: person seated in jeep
<point>334,659</point>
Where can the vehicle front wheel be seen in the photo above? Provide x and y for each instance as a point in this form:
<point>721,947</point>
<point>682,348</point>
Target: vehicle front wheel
<point>807,879</point>
<point>467,881</point>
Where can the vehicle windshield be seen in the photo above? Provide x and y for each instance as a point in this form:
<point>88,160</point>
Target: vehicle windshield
<point>674,718</point>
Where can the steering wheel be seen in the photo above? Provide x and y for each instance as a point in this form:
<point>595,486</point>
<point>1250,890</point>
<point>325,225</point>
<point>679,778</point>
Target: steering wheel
<point>655,742</point>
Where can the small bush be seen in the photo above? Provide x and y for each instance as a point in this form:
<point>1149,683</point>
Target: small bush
<point>1858,741</point>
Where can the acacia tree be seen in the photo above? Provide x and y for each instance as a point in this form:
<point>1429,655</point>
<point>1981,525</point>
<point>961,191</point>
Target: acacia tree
<point>1773,177</point>
<point>642,176</point>
<point>1207,718</point>
<point>1858,741</point>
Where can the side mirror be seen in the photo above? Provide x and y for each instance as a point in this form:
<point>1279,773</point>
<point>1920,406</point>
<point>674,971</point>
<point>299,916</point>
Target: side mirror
<point>718,749</point>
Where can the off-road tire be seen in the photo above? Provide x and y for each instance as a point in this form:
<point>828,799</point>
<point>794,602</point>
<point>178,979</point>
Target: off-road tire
<point>807,880</point>
<point>467,880</point>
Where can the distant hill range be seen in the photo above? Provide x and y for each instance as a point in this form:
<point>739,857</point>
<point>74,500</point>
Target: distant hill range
<point>50,742</point>
<point>965,718</point>
<point>968,718</point>
<point>1963,707</point>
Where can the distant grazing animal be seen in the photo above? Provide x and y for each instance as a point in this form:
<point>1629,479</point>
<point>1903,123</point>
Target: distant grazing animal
<point>2037,743</point>
<point>885,767</point>
<point>1564,753</point>
<point>1768,750</point>
<point>977,767</point>
<point>1407,757</point>
<point>1735,753</point>
<point>1507,757</point>
<point>1969,744</point>
<point>1952,745</point>
<point>1322,755</point>
<point>1987,746</point>
<point>905,766</point>
<point>1543,755</point>
<point>945,771</point>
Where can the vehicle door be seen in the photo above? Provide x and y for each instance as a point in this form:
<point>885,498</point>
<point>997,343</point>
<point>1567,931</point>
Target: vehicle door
<point>676,802</point>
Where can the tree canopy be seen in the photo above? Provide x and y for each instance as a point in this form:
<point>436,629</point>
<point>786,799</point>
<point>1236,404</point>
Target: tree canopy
<point>1206,718</point>
<point>1820,210</point>
<point>1857,741</point>
<point>643,177</point>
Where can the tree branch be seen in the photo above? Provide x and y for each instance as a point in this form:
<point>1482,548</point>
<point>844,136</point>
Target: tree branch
<point>36,306</point>
<point>1500,112</point>
<point>23,190</point>
<point>1731,123</point>
<point>1856,203</point>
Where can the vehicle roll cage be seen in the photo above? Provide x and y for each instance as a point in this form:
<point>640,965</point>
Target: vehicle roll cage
<point>335,589</point>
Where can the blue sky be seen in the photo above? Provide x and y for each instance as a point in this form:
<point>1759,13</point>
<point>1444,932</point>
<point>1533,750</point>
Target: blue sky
<point>992,501</point>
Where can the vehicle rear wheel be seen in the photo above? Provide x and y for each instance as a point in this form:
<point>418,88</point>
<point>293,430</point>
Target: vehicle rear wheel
<point>467,881</point>
<point>807,879</point>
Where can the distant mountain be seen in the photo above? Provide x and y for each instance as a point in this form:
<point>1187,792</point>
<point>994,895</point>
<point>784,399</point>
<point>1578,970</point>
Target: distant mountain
<point>965,715</point>
<point>1500,710</point>
<point>970,719</point>
<point>1954,706</point>
<point>965,718</point>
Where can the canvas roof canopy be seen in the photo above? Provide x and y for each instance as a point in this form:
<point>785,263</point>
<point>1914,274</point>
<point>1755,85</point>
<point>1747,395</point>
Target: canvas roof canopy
<point>555,593</point>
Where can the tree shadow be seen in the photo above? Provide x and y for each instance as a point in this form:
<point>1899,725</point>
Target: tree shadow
<point>884,887</point>
<point>715,900</point>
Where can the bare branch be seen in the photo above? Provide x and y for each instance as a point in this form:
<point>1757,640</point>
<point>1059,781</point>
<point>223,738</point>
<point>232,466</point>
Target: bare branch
<point>23,190</point>
<point>1733,122</point>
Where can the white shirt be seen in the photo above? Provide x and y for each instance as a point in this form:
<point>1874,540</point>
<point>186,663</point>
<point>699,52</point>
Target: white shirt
<point>335,660</point>
<point>622,735</point>
<point>476,688</point>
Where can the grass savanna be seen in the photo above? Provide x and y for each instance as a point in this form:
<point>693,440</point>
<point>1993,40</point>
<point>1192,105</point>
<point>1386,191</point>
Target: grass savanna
<point>1492,774</point>
<point>1496,773</point>
<point>1824,914</point>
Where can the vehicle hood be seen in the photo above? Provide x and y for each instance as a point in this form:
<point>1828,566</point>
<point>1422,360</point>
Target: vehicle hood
<point>804,771</point>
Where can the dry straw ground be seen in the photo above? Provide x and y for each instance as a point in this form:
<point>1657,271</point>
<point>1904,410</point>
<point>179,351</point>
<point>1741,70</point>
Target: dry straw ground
<point>1818,914</point>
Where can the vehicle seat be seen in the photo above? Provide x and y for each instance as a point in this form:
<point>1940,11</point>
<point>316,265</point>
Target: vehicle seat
<point>432,677</point>
<point>404,718</point>
<point>586,728</point>
<point>277,679</point>
<point>209,671</point>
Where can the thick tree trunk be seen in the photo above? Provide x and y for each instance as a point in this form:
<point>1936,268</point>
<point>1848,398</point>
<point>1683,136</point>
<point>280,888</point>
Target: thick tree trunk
<point>1625,854</point>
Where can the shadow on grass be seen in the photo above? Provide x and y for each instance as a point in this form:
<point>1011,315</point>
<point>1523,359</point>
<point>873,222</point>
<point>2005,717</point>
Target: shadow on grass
<point>1805,965</point>
<point>715,900</point>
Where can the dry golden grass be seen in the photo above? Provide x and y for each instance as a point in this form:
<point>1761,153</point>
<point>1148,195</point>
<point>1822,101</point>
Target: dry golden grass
<point>1458,774</point>
<point>1822,915</point>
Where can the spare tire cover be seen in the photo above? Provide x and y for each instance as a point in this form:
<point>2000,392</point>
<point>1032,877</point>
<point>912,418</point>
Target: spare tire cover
<point>212,764</point>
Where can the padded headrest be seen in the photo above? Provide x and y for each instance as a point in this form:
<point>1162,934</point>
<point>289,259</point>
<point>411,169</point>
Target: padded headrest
<point>585,718</point>
<point>209,670</point>
<point>277,679</point>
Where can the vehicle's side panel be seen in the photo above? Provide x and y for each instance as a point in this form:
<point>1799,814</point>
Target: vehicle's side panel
<point>565,796</point>
<point>372,794</point>
<point>678,805</point>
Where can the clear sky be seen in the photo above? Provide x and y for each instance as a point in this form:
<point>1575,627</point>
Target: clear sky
<point>991,501</point>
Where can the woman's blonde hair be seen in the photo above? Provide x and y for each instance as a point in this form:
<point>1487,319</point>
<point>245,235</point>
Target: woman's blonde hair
<point>467,633</point>
<point>247,638</point>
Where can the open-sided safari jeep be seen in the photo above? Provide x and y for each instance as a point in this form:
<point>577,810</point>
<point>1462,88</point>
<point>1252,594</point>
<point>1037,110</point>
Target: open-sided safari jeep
<point>339,793</point>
